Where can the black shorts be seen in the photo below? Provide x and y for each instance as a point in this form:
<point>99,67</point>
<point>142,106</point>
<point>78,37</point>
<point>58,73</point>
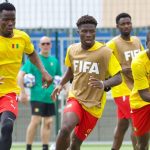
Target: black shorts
<point>42,109</point>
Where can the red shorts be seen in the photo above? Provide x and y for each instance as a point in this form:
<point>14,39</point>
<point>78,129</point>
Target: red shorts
<point>86,121</point>
<point>9,102</point>
<point>141,120</point>
<point>123,107</point>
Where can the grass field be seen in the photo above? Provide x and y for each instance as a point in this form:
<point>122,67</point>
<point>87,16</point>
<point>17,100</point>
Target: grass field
<point>84,147</point>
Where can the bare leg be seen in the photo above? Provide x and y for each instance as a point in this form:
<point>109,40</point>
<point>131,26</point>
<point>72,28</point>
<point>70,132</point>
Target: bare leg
<point>133,138</point>
<point>70,120</point>
<point>31,130</point>
<point>46,129</point>
<point>143,143</point>
<point>75,143</point>
<point>120,130</point>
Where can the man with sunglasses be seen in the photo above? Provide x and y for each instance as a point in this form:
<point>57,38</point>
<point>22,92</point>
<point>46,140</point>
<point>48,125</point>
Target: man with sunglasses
<point>42,106</point>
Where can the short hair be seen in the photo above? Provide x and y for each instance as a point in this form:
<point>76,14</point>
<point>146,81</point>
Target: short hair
<point>122,15</point>
<point>86,19</point>
<point>7,6</point>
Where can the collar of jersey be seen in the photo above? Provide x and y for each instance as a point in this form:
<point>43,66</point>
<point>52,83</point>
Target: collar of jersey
<point>96,46</point>
<point>131,39</point>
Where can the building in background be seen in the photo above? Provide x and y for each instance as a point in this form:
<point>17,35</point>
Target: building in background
<point>64,13</point>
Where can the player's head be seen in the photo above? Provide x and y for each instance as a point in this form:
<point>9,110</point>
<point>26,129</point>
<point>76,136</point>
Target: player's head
<point>148,40</point>
<point>87,30</point>
<point>7,19</point>
<point>124,24</point>
<point>45,45</point>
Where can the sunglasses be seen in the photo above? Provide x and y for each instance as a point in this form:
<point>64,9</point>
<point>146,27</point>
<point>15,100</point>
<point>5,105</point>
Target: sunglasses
<point>45,43</point>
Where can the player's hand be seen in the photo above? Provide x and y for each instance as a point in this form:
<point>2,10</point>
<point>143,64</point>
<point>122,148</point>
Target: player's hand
<point>23,97</point>
<point>56,92</point>
<point>1,80</point>
<point>46,79</point>
<point>96,83</point>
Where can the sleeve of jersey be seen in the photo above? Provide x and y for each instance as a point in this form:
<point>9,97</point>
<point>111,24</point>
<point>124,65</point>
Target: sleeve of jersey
<point>141,46</point>
<point>114,66</point>
<point>111,45</point>
<point>138,72</point>
<point>26,67</point>
<point>29,48</point>
<point>67,59</point>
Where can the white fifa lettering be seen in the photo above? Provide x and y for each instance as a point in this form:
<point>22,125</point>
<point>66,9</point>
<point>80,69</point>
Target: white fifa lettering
<point>131,54</point>
<point>75,63</point>
<point>80,66</point>
<point>94,68</point>
<point>86,66</point>
<point>127,55</point>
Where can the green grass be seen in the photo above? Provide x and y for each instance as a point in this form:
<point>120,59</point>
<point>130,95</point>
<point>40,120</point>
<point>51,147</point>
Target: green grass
<point>103,147</point>
<point>84,147</point>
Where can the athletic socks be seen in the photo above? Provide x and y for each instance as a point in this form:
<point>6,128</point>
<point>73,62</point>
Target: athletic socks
<point>29,147</point>
<point>45,147</point>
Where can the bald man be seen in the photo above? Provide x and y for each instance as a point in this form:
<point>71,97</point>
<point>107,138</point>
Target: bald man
<point>42,106</point>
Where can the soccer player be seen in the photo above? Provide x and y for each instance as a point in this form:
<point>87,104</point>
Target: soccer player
<point>140,97</point>
<point>88,63</point>
<point>125,47</point>
<point>13,43</point>
<point>42,106</point>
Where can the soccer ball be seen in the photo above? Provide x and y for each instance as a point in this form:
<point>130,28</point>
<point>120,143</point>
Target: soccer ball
<point>57,79</point>
<point>29,80</point>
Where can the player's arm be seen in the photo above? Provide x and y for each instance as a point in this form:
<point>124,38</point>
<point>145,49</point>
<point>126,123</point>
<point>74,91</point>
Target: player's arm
<point>67,77</point>
<point>106,84</point>
<point>29,50</point>
<point>145,94</point>
<point>47,79</point>
<point>113,81</point>
<point>114,70</point>
<point>115,77</point>
<point>23,97</point>
<point>141,82</point>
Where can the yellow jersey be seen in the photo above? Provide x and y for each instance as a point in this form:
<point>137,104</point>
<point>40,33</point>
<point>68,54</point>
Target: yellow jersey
<point>124,51</point>
<point>98,61</point>
<point>141,75</point>
<point>11,54</point>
